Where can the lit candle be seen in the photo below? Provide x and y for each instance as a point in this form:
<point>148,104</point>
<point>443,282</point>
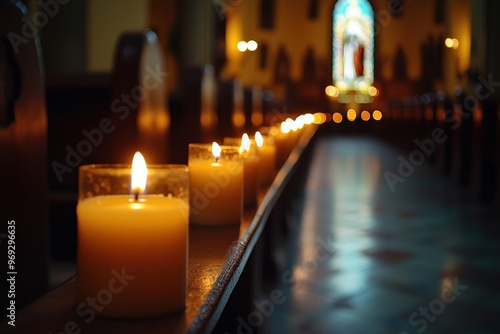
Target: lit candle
<point>132,248</point>
<point>283,141</point>
<point>267,152</point>
<point>250,168</point>
<point>215,184</point>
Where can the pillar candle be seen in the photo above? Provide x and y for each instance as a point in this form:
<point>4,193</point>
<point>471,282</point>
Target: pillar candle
<point>132,248</point>
<point>283,141</point>
<point>251,162</point>
<point>215,184</point>
<point>267,153</point>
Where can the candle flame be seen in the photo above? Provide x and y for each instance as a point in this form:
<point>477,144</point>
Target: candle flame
<point>285,127</point>
<point>216,150</point>
<point>259,140</point>
<point>245,143</point>
<point>291,124</point>
<point>300,122</point>
<point>139,173</point>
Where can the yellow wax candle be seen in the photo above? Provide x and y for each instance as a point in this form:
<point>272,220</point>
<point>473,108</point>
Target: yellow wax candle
<point>215,185</point>
<point>251,162</point>
<point>132,248</point>
<point>283,141</point>
<point>251,167</point>
<point>267,153</point>
<point>132,255</point>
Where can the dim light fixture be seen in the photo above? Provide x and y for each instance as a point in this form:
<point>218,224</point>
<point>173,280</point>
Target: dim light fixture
<point>242,46</point>
<point>451,43</point>
<point>251,46</point>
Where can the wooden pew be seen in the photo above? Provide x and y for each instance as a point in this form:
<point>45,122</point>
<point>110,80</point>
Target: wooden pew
<point>199,111</point>
<point>463,145</point>
<point>104,119</point>
<point>139,105</point>
<point>470,153</point>
<point>254,116</point>
<point>230,108</point>
<point>485,136</point>
<point>23,138</point>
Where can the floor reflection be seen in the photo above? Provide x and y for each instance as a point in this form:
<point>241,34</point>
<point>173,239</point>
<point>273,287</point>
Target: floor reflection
<point>394,255</point>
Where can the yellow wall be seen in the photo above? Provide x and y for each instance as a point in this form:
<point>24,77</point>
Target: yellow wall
<point>292,29</point>
<point>459,26</point>
<point>410,30</point>
<point>296,32</point>
<point>106,21</point>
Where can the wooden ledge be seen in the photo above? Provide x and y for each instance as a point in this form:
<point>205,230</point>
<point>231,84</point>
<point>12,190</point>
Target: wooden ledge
<point>217,258</point>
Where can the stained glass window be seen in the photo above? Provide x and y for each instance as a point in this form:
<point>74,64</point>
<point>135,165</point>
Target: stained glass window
<point>353,33</point>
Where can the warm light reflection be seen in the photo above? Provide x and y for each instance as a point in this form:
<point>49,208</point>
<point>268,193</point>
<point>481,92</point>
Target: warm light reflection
<point>259,140</point>
<point>351,114</point>
<point>377,115</point>
<point>441,114</point>
<point>365,115</point>
<point>151,120</point>
<point>216,150</point>
<point>245,143</point>
<point>337,117</point>
<point>257,118</point>
<point>208,119</point>
<point>429,113</point>
<point>477,115</point>
<point>139,173</point>
<point>238,119</point>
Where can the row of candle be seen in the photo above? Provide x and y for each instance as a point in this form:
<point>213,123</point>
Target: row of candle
<point>133,222</point>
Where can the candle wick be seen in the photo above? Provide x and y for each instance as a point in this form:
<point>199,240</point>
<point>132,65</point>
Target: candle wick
<point>136,196</point>
<point>216,159</point>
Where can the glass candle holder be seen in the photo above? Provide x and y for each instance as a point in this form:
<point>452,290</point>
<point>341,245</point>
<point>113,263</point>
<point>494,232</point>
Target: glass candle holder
<point>283,142</point>
<point>251,161</point>
<point>132,248</point>
<point>215,185</point>
<point>267,166</point>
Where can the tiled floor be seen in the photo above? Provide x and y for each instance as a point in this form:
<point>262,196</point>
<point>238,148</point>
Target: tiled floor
<point>422,259</point>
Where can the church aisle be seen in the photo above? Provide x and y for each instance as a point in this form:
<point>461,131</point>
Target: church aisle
<point>423,258</point>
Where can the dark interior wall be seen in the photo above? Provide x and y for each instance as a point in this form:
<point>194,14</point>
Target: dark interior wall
<point>64,37</point>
